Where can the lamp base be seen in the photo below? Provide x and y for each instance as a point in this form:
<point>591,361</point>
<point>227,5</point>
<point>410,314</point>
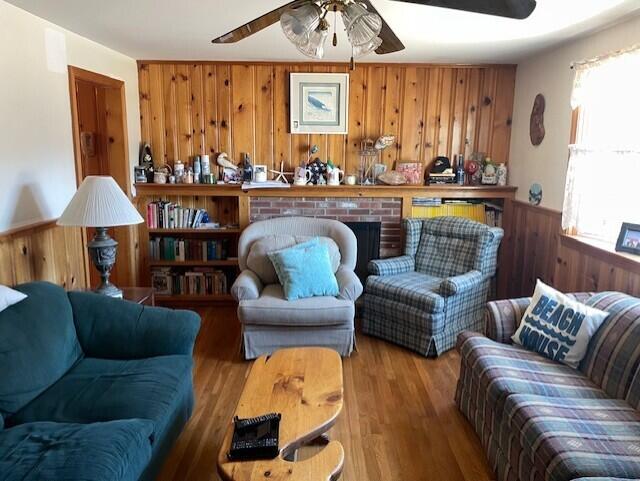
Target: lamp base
<point>102,249</point>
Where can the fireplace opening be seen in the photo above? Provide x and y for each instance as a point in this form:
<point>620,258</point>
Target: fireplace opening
<point>368,239</point>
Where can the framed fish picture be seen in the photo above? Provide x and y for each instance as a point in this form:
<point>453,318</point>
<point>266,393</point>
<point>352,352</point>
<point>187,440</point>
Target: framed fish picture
<point>319,103</point>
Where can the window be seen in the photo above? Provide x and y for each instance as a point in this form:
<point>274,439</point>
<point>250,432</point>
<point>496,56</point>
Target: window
<point>603,178</point>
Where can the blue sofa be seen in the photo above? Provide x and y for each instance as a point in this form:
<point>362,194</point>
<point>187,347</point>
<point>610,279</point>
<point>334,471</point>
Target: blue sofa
<point>91,388</point>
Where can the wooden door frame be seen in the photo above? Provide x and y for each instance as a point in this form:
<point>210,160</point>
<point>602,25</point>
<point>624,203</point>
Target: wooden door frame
<point>75,74</point>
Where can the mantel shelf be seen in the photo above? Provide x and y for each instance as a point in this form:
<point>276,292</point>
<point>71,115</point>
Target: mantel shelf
<point>225,190</point>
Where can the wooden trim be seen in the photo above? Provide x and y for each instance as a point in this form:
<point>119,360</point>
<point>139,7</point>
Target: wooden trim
<point>103,81</point>
<point>327,64</point>
<point>537,208</point>
<point>77,73</point>
<point>33,227</point>
<point>601,252</point>
<point>125,139</point>
<point>447,192</point>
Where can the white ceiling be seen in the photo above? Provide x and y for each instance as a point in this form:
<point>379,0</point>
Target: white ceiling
<point>183,29</point>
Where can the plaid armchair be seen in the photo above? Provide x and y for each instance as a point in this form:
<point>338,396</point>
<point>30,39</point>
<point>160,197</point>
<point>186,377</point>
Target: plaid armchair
<point>437,289</point>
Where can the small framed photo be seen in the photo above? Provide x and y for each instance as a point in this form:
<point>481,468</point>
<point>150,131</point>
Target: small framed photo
<point>412,171</point>
<point>319,103</point>
<point>629,239</point>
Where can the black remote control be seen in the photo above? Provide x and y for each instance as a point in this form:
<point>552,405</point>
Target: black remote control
<point>255,438</point>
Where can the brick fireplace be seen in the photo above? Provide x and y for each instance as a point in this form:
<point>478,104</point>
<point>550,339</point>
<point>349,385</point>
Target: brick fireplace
<point>387,211</point>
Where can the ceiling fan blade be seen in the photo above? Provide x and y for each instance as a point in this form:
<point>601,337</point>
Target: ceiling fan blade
<point>518,9</point>
<point>390,42</point>
<point>257,24</point>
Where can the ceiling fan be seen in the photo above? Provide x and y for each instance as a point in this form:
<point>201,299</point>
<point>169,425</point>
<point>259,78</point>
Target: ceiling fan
<point>306,22</point>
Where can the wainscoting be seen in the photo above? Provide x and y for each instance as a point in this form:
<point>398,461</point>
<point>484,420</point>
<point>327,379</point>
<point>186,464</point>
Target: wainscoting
<point>197,108</point>
<point>45,252</point>
<point>535,248</point>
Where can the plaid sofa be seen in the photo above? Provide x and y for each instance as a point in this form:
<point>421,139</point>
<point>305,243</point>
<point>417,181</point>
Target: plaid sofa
<point>543,421</point>
<point>437,289</point>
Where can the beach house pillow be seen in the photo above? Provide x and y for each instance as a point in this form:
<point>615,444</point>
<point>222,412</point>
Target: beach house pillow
<point>557,326</point>
<point>9,297</point>
<point>304,270</point>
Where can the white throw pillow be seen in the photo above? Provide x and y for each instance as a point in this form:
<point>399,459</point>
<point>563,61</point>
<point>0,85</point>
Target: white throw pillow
<point>557,326</point>
<point>9,297</point>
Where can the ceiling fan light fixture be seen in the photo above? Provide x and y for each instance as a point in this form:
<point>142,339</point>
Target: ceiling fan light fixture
<point>314,47</point>
<point>362,26</point>
<point>298,23</point>
<point>360,51</point>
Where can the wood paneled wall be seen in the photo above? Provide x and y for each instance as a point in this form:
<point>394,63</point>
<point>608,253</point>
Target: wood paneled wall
<point>583,267</point>
<point>534,248</point>
<point>529,248</point>
<point>43,252</point>
<point>195,108</point>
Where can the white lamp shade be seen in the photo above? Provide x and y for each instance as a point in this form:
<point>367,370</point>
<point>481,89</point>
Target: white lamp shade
<point>314,47</point>
<point>362,26</point>
<point>362,50</point>
<point>297,23</point>
<point>99,202</point>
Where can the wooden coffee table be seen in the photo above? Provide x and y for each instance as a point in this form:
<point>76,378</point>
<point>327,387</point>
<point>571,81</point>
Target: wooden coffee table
<point>305,386</point>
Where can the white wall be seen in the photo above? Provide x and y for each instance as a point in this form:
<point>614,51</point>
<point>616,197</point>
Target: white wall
<point>549,73</point>
<point>37,173</point>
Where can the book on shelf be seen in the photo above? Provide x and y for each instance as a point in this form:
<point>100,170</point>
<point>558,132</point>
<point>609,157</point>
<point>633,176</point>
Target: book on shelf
<point>168,215</point>
<point>180,250</point>
<point>200,281</point>
<point>493,214</point>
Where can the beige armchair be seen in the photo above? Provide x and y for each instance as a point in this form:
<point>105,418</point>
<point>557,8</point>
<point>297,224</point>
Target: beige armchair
<point>269,321</point>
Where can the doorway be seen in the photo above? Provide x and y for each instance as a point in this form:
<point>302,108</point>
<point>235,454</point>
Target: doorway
<point>98,112</point>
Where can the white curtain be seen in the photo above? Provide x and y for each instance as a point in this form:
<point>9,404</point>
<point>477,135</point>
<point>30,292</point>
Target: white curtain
<point>603,178</point>
<point>602,191</point>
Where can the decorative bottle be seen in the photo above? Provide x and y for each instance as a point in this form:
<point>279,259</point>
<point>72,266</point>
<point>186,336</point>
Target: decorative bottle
<point>460,170</point>
<point>197,169</point>
<point>501,173</point>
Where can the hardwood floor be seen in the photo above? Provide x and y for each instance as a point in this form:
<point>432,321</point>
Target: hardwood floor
<point>399,421</point>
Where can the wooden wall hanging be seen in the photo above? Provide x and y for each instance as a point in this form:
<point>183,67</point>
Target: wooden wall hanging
<point>536,127</point>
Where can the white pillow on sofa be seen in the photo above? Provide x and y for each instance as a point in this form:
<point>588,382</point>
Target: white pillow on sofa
<point>9,297</point>
<point>557,326</point>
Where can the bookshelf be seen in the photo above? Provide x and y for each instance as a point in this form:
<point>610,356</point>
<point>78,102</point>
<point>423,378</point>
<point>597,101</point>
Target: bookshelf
<point>174,260</point>
<point>205,232</point>
<point>218,263</point>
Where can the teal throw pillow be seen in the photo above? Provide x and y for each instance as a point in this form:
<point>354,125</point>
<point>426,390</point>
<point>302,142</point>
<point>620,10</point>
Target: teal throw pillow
<point>304,270</point>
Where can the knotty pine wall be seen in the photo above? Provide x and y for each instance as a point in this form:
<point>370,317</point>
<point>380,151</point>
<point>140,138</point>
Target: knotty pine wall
<point>194,108</point>
<point>533,247</point>
<point>43,252</point>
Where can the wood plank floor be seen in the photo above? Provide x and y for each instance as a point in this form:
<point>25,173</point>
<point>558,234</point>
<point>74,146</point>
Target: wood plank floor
<point>399,422</point>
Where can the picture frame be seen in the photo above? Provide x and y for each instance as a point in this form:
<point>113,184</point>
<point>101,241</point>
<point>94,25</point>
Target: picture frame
<point>629,239</point>
<point>319,103</point>
<point>412,171</point>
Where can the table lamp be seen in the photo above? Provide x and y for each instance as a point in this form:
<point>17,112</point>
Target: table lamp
<point>101,203</point>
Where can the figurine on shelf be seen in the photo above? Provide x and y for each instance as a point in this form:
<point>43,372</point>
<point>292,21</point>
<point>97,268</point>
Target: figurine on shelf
<point>501,173</point>
<point>313,150</point>
<point>247,168</point>
<point>146,162</point>
<point>318,171</point>
<point>489,175</point>
<point>334,174</point>
<point>281,175</point>
<point>230,172</point>
<point>473,172</point>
